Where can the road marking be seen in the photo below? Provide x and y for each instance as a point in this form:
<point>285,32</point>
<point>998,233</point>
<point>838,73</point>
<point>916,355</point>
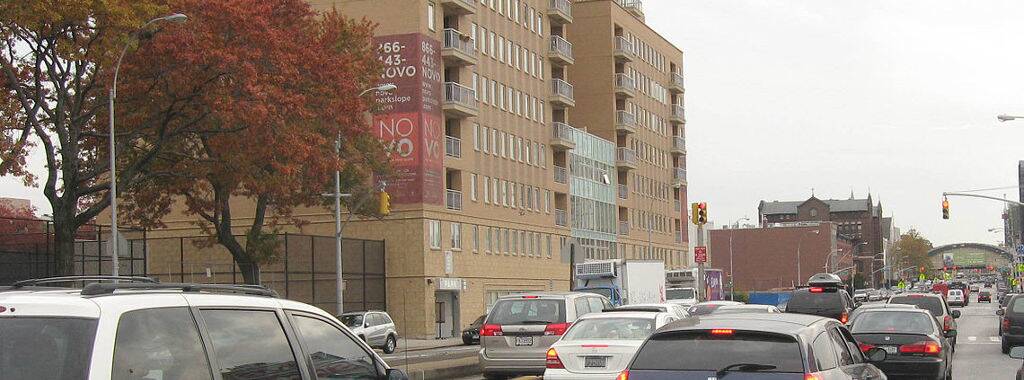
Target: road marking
<point>993,338</point>
<point>972,338</point>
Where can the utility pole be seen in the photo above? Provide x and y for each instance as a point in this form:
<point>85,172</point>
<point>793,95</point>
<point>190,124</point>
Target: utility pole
<point>701,293</point>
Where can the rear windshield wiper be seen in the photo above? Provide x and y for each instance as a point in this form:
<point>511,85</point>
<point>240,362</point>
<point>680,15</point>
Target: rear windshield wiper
<point>743,367</point>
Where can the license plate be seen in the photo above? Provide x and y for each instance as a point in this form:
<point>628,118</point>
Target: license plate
<point>891,350</point>
<point>524,341</point>
<point>594,361</point>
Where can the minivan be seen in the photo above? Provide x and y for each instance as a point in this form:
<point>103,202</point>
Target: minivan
<point>520,328</point>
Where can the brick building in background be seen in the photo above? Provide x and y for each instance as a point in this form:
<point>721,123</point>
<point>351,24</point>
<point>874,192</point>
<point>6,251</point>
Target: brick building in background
<point>766,258</point>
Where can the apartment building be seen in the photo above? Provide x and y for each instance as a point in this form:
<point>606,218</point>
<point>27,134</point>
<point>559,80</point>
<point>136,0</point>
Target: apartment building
<point>633,96</point>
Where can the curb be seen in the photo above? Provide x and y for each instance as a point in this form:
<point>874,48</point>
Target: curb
<point>467,368</point>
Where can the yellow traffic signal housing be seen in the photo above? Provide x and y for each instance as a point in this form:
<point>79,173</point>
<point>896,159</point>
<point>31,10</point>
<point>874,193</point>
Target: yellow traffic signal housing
<point>694,212</point>
<point>385,203</point>
<point>702,213</point>
<point>945,208</point>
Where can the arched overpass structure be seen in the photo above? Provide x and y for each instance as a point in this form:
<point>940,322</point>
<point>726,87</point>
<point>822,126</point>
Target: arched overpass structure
<point>968,256</point>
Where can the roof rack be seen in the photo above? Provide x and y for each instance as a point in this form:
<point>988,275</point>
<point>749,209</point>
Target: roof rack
<point>627,308</point>
<point>51,280</point>
<point>96,289</point>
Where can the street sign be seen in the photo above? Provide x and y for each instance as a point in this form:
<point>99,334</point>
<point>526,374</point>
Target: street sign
<point>700,254</point>
<point>921,277</point>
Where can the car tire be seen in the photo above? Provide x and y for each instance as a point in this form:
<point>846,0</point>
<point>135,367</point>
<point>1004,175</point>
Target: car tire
<point>1005,346</point>
<point>494,376</point>
<point>467,341</point>
<point>390,344</point>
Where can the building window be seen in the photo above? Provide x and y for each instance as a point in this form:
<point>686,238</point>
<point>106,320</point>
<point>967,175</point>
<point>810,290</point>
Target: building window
<point>456,236</point>
<point>548,238</point>
<point>472,187</point>
<point>487,194</point>
<point>476,136</point>
<point>434,232</point>
<point>430,16</point>
<point>814,212</point>
<point>476,238</point>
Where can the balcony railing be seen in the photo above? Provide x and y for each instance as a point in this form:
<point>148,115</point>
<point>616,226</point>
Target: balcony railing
<point>680,175</point>
<point>623,46</point>
<point>563,6</point>
<point>452,146</point>
<point>453,199</point>
<point>459,94</point>
<point>623,227</point>
<point>679,142</point>
<point>561,175</point>
<point>623,191</point>
<point>561,87</point>
<point>677,79</point>
<point>678,111</point>
<point>625,154</point>
<point>625,82</point>
<point>561,46</point>
<point>454,39</point>
<point>634,6</point>
<point>625,118</point>
<point>560,218</point>
<point>560,130</point>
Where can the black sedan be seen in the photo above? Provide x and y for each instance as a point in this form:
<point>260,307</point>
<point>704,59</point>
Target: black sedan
<point>912,340</point>
<point>471,335</point>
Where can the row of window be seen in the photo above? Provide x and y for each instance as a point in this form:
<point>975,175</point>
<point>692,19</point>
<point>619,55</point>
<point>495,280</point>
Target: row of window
<point>500,192</point>
<point>650,154</point>
<point>647,119</point>
<point>648,86</point>
<point>507,99</point>
<point>647,53</point>
<point>506,145</point>
<point>492,240</point>
<point>651,187</point>
<point>644,220</point>
<point>519,12</point>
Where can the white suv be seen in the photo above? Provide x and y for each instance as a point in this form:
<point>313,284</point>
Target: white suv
<point>137,328</point>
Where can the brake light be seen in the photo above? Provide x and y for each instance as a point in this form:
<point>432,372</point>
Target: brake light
<point>844,317</point>
<point>2,309</point>
<point>925,347</point>
<point>552,360</point>
<point>864,347</point>
<point>722,332</point>
<point>491,330</point>
<point>556,329</point>
<point>624,375</point>
<point>530,297</point>
<point>813,376</point>
<point>1006,324</point>
<point>947,323</point>
<point>817,289</point>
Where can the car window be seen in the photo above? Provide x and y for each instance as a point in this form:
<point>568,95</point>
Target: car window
<point>334,354</point>
<point>386,319</point>
<point>703,351</point>
<point>894,321</point>
<point>851,344</point>
<point>841,348</point>
<point>1018,305</point>
<point>807,301</point>
<point>376,320</point>
<point>824,354</point>
<point>352,320</point>
<point>159,343</point>
<point>610,329</point>
<point>257,348</point>
<point>582,307</point>
<point>527,311</point>
<point>46,347</point>
<point>934,305</point>
<point>595,304</point>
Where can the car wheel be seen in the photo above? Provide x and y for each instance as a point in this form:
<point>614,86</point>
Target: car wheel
<point>1005,346</point>
<point>494,376</point>
<point>467,341</point>
<point>390,344</point>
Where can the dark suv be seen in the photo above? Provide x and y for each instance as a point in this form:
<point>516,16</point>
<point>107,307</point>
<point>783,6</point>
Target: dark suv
<point>1012,323</point>
<point>824,297</point>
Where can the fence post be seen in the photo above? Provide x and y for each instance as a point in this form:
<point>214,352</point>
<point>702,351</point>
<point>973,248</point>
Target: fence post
<point>312,267</point>
<point>365,305</point>
<point>49,254</point>
<point>285,265</point>
<point>181,252</point>
<point>145,253</point>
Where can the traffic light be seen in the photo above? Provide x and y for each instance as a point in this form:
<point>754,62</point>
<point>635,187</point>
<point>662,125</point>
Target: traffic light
<point>694,211</point>
<point>702,213</point>
<point>945,208</point>
<point>385,203</point>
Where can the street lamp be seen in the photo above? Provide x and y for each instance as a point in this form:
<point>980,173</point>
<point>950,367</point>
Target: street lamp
<point>177,18</point>
<point>799,274</point>
<point>339,282</point>
<point>732,276</point>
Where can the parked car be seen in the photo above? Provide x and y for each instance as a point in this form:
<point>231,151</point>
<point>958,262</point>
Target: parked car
<point>936,306</point>
<point>471,335</point>
<point>678,310</point>
<point>375,327</point>
<point>138,328</point>
<point>860,295</point>
<point>705,308</point>
<point>956,297</point>
<point>600,345</point>
<point>780,346</point>
<point>520,328</point>
<point>914,343</point>
<point>1012,323</point>
<point>985,296</point>
<point>824,297</point>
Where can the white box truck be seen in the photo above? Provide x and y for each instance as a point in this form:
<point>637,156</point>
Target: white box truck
<point>624,282</point>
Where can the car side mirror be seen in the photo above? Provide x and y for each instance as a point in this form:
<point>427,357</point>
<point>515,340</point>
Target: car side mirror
<point>949,333</point>
<point>395,374</point>
<point>955,314</point>
<point>366,324</point>
<point>876,355</point>
<point>1000,312</point>
<point>1017,352</point>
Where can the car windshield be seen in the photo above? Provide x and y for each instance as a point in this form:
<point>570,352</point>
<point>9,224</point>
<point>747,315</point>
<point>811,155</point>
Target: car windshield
<point>739,310</point>
<point>610,329</point>
<point>352,320</point>
<point>702,351</point>
<point>46,348</point>
<point>526,311</point>
<point>807,300</point>
<point>679,294</point>
<point>893,321</point>
<point>931,303</point>
<point>703,309</point>
<point>602,291</point>
<point>1018,305</point>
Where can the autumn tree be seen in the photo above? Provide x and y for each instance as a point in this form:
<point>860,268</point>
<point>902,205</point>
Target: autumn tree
<point>279,82</point>
<point>56,63</point>
<point>912,251</point>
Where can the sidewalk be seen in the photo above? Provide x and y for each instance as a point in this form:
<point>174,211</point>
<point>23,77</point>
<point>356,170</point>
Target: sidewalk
<point>426,344</point>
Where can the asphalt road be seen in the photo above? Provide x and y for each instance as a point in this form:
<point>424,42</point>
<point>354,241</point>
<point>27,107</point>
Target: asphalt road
<point>401,358</point>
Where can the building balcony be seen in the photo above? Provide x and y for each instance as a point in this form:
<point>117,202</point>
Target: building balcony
<point>634,7</point>
<point>623,227</point>
<point>625,86</point>
<point>561,94</point>
<point>679,177</point>
<point>625,158</point>
<point>453,199</point>
<point>623,191</point>
<point>676,84</point>
<point>561,175</point>
<point>625,122</point>
<point>560,218</point>
<point>560,52</point>
<point>562,136</point>
<point>452,147</point>
<point>458,49</point>
<point>623,49</point>
<point>678,145</point>
<point>459,100</point>
<point>460,6</point>
<point>678,115</point>
<point>560,11</point>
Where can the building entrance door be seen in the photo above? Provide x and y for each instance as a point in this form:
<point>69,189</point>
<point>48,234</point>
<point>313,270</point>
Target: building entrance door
<point>446,313</point>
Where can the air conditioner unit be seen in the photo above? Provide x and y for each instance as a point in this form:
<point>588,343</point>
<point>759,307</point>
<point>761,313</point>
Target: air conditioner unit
<point>596,269</point>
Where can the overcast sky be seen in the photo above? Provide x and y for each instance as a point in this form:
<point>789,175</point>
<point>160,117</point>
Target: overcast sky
<point>898,97</point>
